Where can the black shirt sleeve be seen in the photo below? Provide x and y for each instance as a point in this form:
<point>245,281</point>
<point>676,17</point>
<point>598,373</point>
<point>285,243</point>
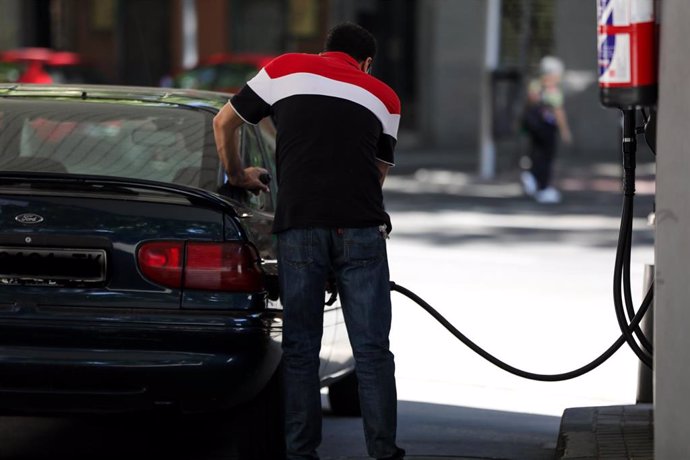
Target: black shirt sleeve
<point>249,106</point>
<point>385,149</point>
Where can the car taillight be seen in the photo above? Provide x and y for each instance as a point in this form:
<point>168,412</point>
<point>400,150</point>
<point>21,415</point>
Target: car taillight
<point>222,267</point>
<point>230,266</point>
<point>161,262</point>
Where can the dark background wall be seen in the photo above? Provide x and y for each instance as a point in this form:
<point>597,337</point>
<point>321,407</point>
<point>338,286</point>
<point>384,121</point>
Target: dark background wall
<point>144,41</point>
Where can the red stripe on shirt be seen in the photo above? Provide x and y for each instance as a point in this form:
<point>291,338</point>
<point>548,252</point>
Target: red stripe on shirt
<point>336,66</point>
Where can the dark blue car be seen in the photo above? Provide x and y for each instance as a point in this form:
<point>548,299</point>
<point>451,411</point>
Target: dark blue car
<point>131,276</point>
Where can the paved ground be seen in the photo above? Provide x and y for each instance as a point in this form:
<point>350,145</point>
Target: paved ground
<point>530,283</point>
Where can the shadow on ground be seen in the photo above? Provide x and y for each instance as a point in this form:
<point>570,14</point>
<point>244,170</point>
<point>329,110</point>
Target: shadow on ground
<point>433,431</point>
<point>425,430</point>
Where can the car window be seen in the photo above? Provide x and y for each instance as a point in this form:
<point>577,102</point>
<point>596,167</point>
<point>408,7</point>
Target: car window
<point>267,132</point>
<point>155,143</point>
<point>253,154</point>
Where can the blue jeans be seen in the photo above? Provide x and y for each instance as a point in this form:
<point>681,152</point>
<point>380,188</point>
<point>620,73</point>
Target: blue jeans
<point>358,258</point>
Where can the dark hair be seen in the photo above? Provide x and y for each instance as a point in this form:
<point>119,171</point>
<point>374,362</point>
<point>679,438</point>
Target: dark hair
<point>351,39</point>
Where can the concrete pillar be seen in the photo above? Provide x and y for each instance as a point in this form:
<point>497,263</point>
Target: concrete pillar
<point>645,375</point>
<point>492,50</point>
<point>672,312</point>
<point>450,52</point>
<point>190,51</point>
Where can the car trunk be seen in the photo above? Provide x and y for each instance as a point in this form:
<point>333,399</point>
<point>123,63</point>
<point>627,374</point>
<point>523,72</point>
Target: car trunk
<point>74,244</point>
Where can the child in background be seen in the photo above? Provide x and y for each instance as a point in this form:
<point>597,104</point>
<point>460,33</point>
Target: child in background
<point>544,119</point>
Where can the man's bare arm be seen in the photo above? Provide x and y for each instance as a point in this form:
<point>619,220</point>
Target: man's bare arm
<point>225,125</point>
<point>383,170</point>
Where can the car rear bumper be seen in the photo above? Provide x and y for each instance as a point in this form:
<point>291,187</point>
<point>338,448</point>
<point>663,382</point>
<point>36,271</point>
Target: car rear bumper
<point>90,366</point>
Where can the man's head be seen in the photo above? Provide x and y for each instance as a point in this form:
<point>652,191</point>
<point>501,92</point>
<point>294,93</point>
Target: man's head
<point>354,40</point>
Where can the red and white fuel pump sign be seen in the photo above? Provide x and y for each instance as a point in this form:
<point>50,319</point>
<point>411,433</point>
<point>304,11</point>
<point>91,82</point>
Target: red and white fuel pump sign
<point>628,48</point>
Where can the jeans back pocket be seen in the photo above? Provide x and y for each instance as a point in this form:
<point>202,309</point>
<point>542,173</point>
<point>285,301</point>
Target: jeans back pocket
<point>364,246</point>
<point>295,247</point>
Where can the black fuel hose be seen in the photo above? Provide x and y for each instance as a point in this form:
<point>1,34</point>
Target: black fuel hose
<point>514,370</point>
<point>644,341</point>
<point>622,292</point>
<point>628,331</point>
<point>622,264</point>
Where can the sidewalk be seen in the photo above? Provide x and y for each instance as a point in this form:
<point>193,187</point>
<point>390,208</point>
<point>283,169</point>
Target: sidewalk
<point>590,182</point>
<point>614,432</point>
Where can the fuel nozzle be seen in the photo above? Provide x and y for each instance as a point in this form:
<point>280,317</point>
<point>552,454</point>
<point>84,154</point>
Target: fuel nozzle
<point>629,150</point>
<point>265,178</point>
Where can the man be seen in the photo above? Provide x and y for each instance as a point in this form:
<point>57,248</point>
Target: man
<point>336,132</point>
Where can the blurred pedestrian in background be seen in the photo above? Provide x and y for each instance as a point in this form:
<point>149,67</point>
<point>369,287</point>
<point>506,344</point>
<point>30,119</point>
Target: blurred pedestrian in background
<point>544,120</point>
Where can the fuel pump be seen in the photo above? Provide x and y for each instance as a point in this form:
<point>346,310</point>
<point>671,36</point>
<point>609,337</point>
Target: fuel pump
<point>628,33</point>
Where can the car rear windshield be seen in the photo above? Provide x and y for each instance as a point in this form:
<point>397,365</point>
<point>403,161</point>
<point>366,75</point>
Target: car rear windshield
<point>139,141</point>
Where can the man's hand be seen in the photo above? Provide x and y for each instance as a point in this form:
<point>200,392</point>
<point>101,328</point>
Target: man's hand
<point>250,179</point>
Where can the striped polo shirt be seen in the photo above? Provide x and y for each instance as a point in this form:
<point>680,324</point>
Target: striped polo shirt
<point>334,123</point>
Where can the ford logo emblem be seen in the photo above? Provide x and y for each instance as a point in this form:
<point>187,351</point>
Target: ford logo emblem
<point>29,218</point>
